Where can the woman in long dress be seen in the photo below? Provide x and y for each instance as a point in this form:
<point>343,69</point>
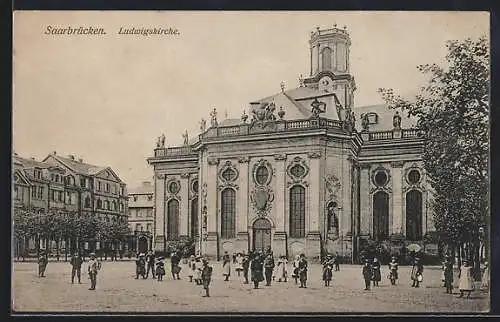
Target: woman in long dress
<point>226,266</point>
<point>466,283</point>
<point>239,263</point>
<point>198,264</point>
<point>376,275</point>
<point>485,279</point>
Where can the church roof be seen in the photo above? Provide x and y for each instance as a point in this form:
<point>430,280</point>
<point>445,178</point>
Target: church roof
<point>384,118</point>
<point>296,101</point>
<point>144,189</point>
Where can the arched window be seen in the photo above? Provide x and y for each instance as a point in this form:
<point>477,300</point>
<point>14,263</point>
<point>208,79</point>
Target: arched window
<point>194,217</point>
<point>173,220</point>
<point>297,212</point>
<point>228,213</point>
<point>87,202</point>
<point>381,215</point>
<point>414,215</point>
<point>99,204</point>
<point>326,56</point>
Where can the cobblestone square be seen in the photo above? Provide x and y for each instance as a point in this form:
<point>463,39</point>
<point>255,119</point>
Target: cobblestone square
<point>119,291</point>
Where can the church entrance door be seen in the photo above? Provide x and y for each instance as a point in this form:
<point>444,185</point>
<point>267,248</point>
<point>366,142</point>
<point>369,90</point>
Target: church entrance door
<point>261,234</point>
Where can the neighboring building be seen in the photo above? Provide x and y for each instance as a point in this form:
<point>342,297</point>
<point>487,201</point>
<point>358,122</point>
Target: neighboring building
<point>64,183</point>
<point>309,172</point>
<point>140,218</point>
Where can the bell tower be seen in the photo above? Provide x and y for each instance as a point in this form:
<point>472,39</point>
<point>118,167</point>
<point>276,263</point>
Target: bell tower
<point>329,63</point>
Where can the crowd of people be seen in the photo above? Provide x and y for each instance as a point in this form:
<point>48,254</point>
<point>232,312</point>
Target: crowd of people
<point>260,266</point>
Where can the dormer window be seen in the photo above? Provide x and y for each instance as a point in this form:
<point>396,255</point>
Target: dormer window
<point>372,118</point>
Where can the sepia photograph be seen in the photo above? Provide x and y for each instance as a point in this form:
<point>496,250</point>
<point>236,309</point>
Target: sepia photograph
<point>231,162</point>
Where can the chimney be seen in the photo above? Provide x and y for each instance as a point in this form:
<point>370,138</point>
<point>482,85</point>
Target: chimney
<point>80,160</point>
<point>72,157</point>
<point>53,152</point>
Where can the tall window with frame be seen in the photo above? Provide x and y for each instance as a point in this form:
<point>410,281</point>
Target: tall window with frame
<point>297,212</point>
<point>228,213</point>
<point>194,217</point>
<point>173,220</point>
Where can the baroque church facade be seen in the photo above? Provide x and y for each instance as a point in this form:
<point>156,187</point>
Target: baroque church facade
<point>304,171</point>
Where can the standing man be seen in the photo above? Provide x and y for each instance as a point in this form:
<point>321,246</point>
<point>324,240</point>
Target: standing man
<point>268,268</point>
<point>303,271</point>
<point>448,275</point>
<point>367,274</point>
<point>337,262</point>
<point>257,267</point>
<point>94,267</point>
<point>150,259</point>
<point>43,260</point>
<point>246,265</point>
<point>174,265</point>
<point>206,276</point>
<point>76,264</point>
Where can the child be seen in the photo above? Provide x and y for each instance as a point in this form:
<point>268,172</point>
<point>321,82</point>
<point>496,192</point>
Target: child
<point>327,269</point>
<point>239,263</point>
<point>192,268</point>
<point>367,274</point>
<point>466,283</point>
<point>206,276</point>
<point>160,268</point>
<point>198,264</point>
<point>393,270</point>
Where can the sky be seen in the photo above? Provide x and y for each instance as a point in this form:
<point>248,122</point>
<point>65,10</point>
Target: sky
<point>107,98</point>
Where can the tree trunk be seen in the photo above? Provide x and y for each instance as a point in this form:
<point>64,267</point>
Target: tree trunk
<point>67,244</point>
<point>57,248</point>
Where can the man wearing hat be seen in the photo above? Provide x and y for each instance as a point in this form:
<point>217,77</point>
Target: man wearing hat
<point>140,267</point>
<point>303,271</point>
<point>327,269</point>
<point>160,268</point>
<point>94,267</point>
<point>367,274</point>
<point>174,265</point>
<point>206,276</point>
<point>245,264</point>
<point>226,266</point>
<point>257,267</point>
<point>42,263</point>
<point>448,274</point>
<point>76,264</point>
<point>150,259</point>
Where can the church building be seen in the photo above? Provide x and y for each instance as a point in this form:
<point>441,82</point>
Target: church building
<point>303,171</point>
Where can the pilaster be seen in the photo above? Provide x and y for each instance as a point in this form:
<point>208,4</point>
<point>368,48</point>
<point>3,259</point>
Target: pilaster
<point>365,197</point>
<point>242,217</point>
<point>184,206</point>
<point>159,212</point>
<point>314,191</point>
<point>397,202</point>
<point>280,191</point>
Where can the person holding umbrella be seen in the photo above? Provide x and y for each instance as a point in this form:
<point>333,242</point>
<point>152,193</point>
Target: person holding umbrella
<point>416,272</point>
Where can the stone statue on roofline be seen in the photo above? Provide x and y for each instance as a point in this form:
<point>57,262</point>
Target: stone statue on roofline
<point>317,108</point>
<point>364,122</point>
<point>160,143</point>
<point>203,125</point>
<point>185,136</point>
<point>213,116</point>
<point>396,120</point>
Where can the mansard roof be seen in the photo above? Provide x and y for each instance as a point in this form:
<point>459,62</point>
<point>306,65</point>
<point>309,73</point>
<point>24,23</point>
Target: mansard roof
<point>77,166</point>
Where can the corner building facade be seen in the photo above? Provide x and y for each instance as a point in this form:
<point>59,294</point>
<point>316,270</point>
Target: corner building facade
<point>305,171</point>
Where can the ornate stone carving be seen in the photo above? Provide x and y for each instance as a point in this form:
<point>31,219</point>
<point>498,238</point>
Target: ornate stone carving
<point>280,157</point>
<point>244,159</point>
<point>203,125</point>
<point>317,108</point>
<point>297,169</point>
<point>212,161</point>
<point>378,177</point>
<point>260,180</point>
<point>262,114</point>
<point>262,198</point>
<point>314,155</point>
<point>185,138</point>
<point>161,176</point>
<point>332,185</point>
<point>228,172</point>
<point>397,164</point>
<point>185,175</point>
<point>173,187</point>
<point>396,120</point>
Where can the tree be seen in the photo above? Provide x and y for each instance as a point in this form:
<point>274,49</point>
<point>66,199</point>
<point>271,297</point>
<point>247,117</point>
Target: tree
<point>453,114</point>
